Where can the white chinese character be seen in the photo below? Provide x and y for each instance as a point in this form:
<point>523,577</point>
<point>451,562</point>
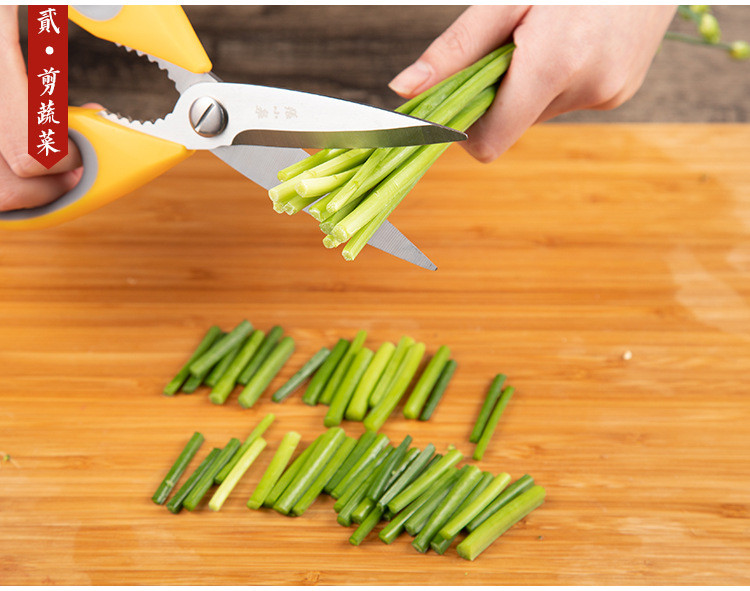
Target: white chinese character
<point>291,112</point>
<point>260,112</point>
<point>47,143</point>
<point>49,77</point>
<point>46,21</point>
<point>46,113</point>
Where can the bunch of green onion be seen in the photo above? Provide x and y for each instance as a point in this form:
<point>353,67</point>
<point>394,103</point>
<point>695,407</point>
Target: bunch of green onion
<point>351,192</point>
<point>410,489</point>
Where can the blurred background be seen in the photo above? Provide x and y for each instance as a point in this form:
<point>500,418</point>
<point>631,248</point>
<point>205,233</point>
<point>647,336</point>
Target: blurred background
<point>352,52</point>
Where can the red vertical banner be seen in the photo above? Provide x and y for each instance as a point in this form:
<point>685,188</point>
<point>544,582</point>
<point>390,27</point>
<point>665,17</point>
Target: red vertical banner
<point>48,83</point>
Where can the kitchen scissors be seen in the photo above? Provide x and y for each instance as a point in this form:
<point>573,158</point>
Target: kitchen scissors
<point>257,130</point>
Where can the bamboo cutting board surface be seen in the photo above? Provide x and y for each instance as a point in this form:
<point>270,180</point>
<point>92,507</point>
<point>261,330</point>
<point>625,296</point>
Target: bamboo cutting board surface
<point>579,245</point>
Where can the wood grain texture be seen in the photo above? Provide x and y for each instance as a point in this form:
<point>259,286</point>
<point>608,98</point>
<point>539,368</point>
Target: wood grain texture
<point>581,243</point>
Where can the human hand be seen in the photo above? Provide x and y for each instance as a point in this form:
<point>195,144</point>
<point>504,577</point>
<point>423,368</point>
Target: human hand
<point>566,58</point>
<point>24,182</point>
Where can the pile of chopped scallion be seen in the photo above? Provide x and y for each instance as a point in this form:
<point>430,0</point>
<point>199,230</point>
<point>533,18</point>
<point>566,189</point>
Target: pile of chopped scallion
<point>373,481</point>
<point>356,382</point>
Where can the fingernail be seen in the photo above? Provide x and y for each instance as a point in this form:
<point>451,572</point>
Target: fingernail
<point>411,78</point>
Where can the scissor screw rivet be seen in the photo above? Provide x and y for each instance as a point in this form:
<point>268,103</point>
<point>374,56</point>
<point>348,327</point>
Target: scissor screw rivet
<point>207,116</point>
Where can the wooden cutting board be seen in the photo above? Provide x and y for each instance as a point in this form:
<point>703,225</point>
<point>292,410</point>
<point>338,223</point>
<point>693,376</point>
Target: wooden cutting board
<point>581,247</point>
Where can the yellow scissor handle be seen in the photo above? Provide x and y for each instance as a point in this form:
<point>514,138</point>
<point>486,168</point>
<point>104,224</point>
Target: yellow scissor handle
<point>116,161</point>
<point>161,31</point>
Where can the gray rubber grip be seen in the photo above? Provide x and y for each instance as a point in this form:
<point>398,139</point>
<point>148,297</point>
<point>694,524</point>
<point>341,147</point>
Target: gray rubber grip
<point>90,171</point>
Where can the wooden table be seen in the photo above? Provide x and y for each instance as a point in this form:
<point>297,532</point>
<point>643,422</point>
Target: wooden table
<point>580,245</point>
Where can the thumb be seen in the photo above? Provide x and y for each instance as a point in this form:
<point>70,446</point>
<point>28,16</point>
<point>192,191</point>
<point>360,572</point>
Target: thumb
<point>479,30</point>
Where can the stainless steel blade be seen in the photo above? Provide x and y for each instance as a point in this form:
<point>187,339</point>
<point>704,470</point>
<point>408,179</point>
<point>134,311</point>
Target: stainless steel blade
<point>260,164</point>
<point>266,116</point>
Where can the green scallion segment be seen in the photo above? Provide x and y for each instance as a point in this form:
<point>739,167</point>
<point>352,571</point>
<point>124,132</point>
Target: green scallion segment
<point>218,370</point>
<point>177,469</point>
<point>362,510</point>
<point>320,378</point>
<point>290,474</point>
<point>268,370</point>
<point>221,348</point>
<point>388,470</point>
<point>439,543</point>
<point>307,163</point>
<point>312,493</point>
<point>304,372</point>
<point>269,342</point>
<point>389,373</point>
<point>397,522</point>
<point>175,383</point>
<point>363,443</point>
<point>426,383</point>
<point>490,400</point>
<point>400,469</point>
<point>264,424</point>
<point>343,366</point>
<point>226,384</point>
<point>423,482</point>
<point>329,223</point>
<point>437,493</point>
<point>500,522</point>
<point>348,503</point>
<point>346,387</point>
<point>275,469</point>
<point>492,422</point>
<point>359,403</point>
<point>207,480</point>
<point>366,526</point>
<point>317,187</point>
<point>242,465</point>
<point>408,476</point>
<point>519,487</point>
<point>297,204</point>
<point>380,413</point>
<point>357,490</point>
<point>347,160</point>
<point>484,482</point>
<point>194,381</point>
<point>361,465</point>
<point>463,486</point>
<point>438,390</point>
<point>463,516</point>
<point>175,503</point>
<point>324,451</point>
<point>318,210</point>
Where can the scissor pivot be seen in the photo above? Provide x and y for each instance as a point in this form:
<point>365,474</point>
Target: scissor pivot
<point>207,116</point>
